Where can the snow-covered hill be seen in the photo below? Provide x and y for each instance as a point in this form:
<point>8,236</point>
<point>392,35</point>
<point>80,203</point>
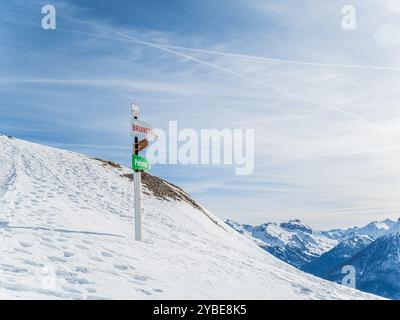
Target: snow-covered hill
<point>66,231</point>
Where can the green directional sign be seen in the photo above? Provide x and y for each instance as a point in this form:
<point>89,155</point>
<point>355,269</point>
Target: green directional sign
<point>140,163</point>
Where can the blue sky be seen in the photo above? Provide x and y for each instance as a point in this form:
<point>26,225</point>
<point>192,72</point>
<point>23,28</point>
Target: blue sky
<point>326,133</point>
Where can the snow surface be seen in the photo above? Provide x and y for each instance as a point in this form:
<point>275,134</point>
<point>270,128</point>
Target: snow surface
<point>66,232</point>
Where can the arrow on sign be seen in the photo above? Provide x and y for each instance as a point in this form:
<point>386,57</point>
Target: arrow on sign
<point>140,146</point>
<point>143,144</point>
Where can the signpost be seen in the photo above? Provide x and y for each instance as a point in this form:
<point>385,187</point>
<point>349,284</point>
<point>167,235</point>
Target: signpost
<point>139,129</point>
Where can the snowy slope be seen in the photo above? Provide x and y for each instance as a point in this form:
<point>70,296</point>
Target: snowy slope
<point>292,241</point>
<point>66,231</point>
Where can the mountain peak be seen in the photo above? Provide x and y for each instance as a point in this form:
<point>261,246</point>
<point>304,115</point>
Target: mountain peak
<point>296,224</point>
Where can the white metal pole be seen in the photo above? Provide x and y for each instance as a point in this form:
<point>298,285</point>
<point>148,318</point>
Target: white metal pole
<point>137,181</point>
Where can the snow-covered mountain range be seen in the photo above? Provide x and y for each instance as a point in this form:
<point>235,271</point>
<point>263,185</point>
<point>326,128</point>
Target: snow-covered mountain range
<point>373,250</point>
<point>292,242</point>
<point>66,231</point>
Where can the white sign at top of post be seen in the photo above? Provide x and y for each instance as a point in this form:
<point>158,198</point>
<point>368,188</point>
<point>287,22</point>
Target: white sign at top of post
<point>140,128</point>
<point>135,110</point>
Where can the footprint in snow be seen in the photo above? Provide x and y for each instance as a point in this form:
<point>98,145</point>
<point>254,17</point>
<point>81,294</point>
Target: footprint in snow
<point>48,245</point>
<point>82,269</point>
<point>68,254</point>
<point>22,251</point>
<point>32,263</point>
<point>145,292</point>
<point>305,290</point>
<point>25,244</point>
<point>81,247</point>
<point>13,269</point>
<point>80,281</point>
<point>140,278</point>
<point>4,224</point>
<point>72,290</point>
<point>71,278</point>
<point>106,254</point>
<point>120,267</point>
<point>96,259</point>
<point>55,259</point>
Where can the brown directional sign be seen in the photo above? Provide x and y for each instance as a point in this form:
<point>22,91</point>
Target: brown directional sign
<point>142,144</point>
